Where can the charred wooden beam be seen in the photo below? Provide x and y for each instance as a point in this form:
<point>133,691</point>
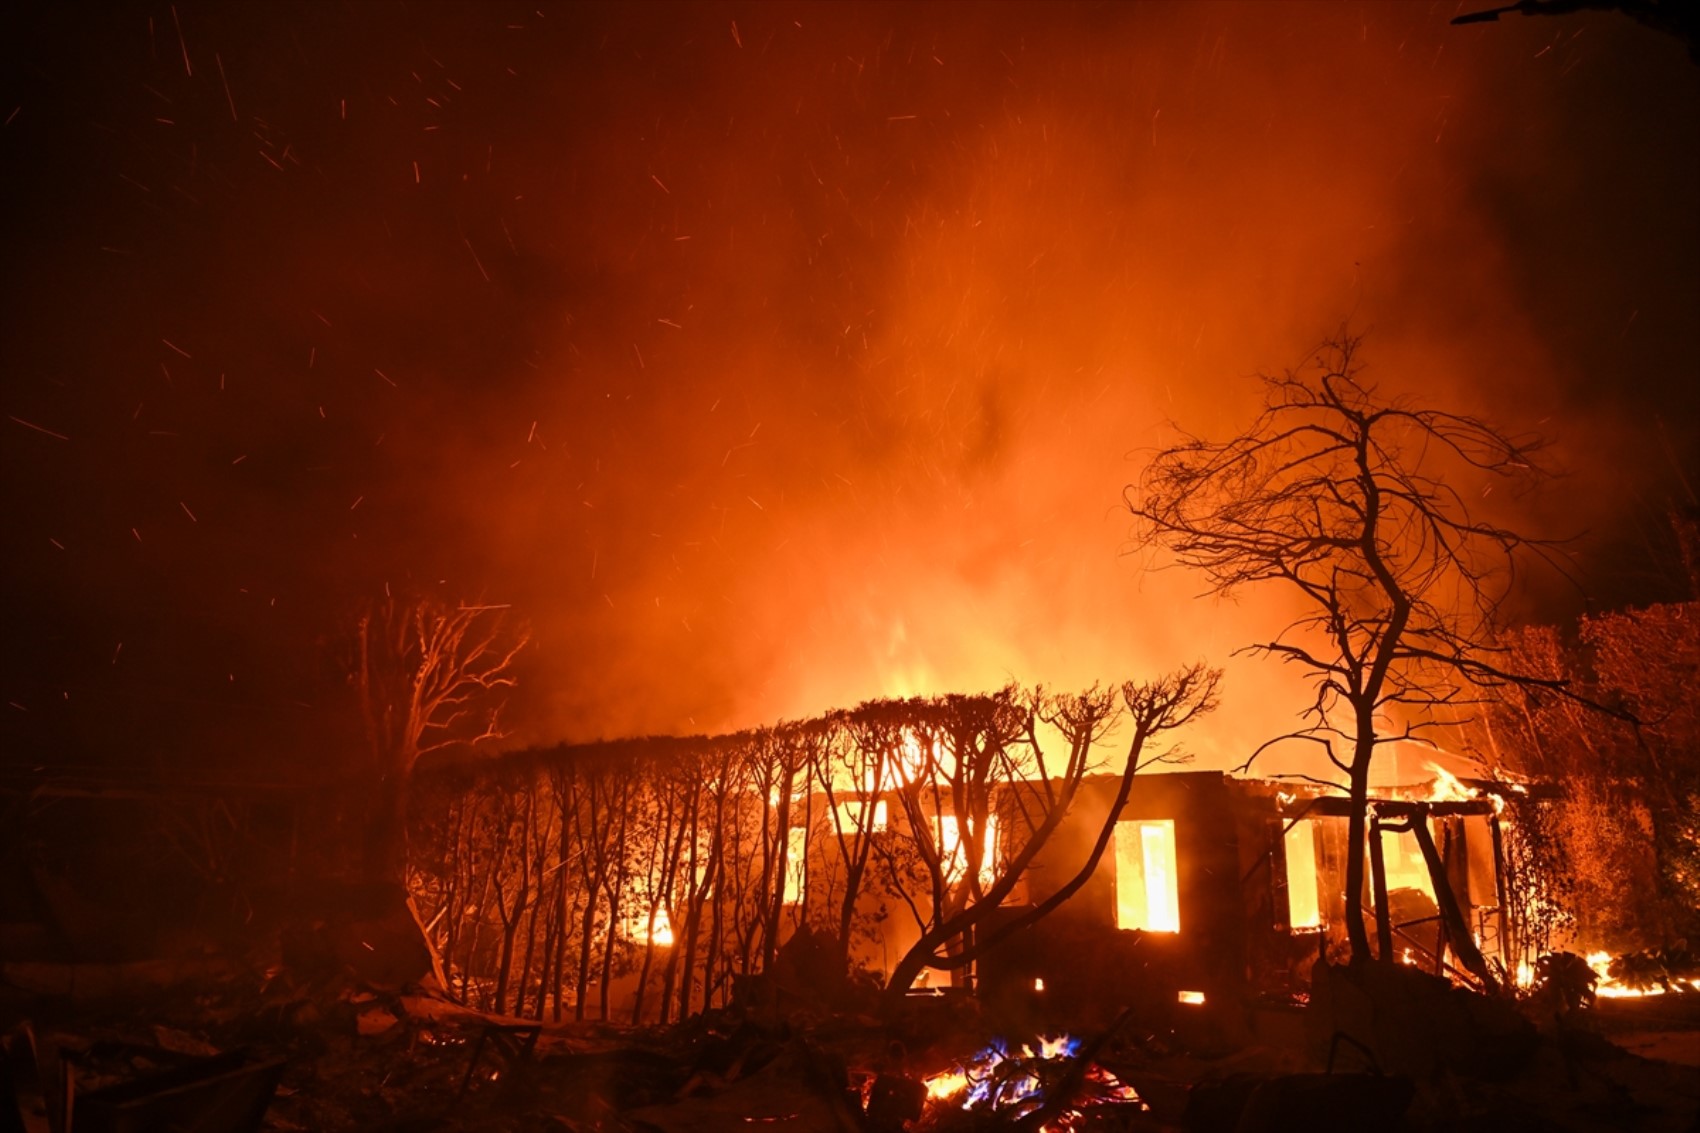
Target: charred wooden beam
<point>1452,915</point>
<point>1401,808</point>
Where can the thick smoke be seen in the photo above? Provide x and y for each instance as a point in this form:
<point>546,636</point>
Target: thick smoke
<point>768,358</point>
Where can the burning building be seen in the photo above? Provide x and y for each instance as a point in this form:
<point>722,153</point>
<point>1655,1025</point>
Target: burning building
<point>1221,890</point>
<point>651,879</point>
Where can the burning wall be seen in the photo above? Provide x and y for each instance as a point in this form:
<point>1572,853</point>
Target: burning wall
<point>1172,876</point>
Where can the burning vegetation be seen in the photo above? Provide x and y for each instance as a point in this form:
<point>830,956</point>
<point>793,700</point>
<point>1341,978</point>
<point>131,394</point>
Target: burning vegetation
<point>653,879</point>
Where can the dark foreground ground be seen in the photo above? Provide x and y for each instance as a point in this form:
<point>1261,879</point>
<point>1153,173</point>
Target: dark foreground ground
<point>348,1056</point>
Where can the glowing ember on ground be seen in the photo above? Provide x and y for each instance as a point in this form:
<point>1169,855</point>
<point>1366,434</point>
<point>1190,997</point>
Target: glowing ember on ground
<point>1013,1082</point>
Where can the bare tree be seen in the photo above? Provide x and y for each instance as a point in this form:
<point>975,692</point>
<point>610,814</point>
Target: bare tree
<point>1355,503</point>
<point>429,675</point>
<point>853,775</point>
<point>994,742</point>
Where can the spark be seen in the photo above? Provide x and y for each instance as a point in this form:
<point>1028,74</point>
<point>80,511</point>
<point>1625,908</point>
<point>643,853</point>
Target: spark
<point>177,348</point>
<point>187,512</point>
<point>227,95</point>
<point>386,377</point>
<point>190,71</point>
<point>39,428</point>
<point>475,259</point>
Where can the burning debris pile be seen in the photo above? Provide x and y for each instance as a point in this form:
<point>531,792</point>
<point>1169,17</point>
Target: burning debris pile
<point>1055,1088</point>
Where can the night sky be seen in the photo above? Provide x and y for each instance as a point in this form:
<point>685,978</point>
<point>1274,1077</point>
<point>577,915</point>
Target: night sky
<point>767,358</point>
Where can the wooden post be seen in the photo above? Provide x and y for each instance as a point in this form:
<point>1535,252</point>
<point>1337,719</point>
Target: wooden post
<point>1508,948</point>
<point>1378,880</point>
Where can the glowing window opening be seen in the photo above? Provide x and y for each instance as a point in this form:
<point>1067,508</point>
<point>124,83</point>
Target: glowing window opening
<point>796,863</point>
<point>1403,861</point>
<point>1147,889</point>
<point>953,855</point>
<point>1304,898</point>
<point>850,818</point>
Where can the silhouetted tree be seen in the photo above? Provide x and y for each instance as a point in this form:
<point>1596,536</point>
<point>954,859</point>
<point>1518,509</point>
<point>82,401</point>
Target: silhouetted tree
<point>993,743</point>
<point>428,676</point>
<point>1355,503</point>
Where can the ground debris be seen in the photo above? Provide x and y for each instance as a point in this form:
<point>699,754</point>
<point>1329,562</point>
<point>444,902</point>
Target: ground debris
<point>352,1055</point>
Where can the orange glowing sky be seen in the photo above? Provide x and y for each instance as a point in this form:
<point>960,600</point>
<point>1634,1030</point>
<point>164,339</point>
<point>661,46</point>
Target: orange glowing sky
<point>769,358</point>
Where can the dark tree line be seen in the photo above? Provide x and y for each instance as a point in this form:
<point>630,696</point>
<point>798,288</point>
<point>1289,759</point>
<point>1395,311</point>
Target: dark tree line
<point>675,868</point>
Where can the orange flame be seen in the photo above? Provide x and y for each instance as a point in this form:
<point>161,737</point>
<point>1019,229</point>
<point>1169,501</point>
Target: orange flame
<point>1448,788</point>
<point>1610,987</point>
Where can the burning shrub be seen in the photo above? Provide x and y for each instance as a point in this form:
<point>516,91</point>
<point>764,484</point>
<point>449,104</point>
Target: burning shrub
<point>1564,985</point>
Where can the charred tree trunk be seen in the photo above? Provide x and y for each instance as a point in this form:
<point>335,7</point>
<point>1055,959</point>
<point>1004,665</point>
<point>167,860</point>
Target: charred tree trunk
<point>1356,843</point>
